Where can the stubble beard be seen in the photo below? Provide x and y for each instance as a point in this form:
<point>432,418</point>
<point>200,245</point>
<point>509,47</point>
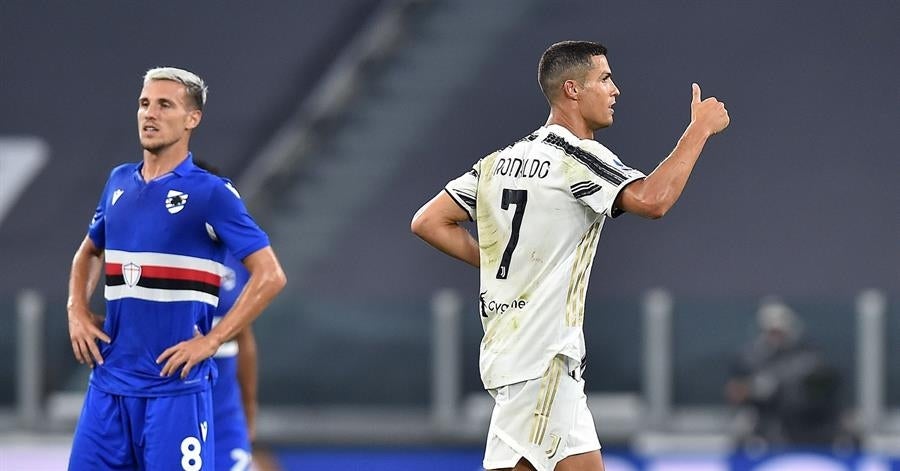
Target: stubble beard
<point>155,147</point>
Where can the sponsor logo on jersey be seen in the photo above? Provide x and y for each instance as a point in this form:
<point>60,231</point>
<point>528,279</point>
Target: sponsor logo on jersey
<point>490,306</point>
<point>116,195</point>
<point>131,273</point>
<point>175,201</point>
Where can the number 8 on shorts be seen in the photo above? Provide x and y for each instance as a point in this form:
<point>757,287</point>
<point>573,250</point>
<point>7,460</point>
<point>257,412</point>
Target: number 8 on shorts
<point>190,454</point>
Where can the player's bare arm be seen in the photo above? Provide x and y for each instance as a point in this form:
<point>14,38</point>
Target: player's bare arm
<point>247,375</point>
<point>438,223</point>
<point>267,279</point>
<point>84,330</point>
<point>653,196</point>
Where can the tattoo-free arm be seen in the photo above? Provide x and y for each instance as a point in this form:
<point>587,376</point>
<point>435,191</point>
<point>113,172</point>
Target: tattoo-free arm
<point>83,329</point>
<point>266,280</point>
<point>654,195</point>
<point>438,223</point>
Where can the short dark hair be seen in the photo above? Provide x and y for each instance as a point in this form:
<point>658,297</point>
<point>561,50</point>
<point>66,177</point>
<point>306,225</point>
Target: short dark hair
<point>565,60</point>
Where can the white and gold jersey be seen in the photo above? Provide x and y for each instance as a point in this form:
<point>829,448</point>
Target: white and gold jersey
<point>539,205</point>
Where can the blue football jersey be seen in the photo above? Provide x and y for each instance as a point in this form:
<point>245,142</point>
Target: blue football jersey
<point>164,242</point>
<point>232,438</point>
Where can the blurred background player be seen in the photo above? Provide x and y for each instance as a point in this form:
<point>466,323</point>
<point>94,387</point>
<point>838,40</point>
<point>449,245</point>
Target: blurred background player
<point>234,393</point>
<point>539,205</point>
<point>163,226</point>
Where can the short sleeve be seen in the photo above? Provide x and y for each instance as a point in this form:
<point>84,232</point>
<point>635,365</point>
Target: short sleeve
<point>97,227</point>
<point>601,179</point>
<point>463,190</point>
<point>231,222</point>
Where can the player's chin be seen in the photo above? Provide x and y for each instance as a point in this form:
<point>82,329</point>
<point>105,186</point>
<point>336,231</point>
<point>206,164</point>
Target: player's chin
<point>151,145</point>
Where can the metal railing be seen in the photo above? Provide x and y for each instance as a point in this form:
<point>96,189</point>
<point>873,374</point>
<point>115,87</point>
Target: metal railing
<point>452,416</point>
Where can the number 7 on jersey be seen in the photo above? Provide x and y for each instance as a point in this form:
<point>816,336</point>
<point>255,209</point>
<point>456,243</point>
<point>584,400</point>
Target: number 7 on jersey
<point>520,199</point>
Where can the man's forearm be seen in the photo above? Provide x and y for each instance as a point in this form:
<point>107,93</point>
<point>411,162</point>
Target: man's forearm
<point>85,274</point>
<point>453,240</point>
<point>260,290</point>
<point>665,184</point>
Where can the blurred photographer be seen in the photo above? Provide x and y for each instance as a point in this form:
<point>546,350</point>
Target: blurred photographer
<point>787,388</point>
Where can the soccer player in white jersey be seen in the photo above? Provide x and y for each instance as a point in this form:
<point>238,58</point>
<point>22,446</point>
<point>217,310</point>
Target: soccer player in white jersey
<point>539,205</point>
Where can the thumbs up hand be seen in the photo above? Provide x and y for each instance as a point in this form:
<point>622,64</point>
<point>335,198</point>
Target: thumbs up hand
<point>709,114</point>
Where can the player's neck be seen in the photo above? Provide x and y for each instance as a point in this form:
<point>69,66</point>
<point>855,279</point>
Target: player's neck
<point>578,127</point>
<point>162,162</point>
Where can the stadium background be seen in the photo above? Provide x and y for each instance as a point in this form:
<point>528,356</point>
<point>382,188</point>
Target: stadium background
<point>338,119</point>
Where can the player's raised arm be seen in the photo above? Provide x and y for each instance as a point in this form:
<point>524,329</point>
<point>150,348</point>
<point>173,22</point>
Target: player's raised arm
<point>654,195</point>
<point>437,222</point>
<point>83,329</point>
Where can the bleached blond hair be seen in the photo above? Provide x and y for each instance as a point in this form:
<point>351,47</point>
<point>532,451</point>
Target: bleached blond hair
<point>196,88</point>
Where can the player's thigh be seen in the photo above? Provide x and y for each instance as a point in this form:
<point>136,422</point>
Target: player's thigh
<point>103,438</point>
<point>178,433</point>
<point>522,465</point>
<point>590,461</point>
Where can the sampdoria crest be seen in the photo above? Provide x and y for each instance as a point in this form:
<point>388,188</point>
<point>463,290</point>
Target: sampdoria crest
<point>175,201</point>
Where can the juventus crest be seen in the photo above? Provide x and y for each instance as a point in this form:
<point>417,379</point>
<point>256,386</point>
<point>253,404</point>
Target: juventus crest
<point>175,201</point>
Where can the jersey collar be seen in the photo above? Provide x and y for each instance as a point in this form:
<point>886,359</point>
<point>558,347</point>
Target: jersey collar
<point>181,170</point>
<point>185,166</point>
<point>562,131</point>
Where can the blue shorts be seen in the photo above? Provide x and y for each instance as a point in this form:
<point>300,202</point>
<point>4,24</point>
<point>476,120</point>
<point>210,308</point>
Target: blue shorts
<point>232,440</point>
<point>144,433</point>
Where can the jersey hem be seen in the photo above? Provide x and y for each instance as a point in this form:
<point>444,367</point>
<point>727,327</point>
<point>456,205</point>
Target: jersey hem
<point>201,386</point>
<point>533,373</point>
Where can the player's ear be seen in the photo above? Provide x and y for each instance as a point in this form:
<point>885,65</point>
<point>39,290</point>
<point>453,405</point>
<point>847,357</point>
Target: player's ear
<point>193,120</point>
<point>570,89</point>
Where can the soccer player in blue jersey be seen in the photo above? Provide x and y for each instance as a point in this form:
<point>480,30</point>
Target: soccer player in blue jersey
<point>234,393</point>
<point>163,226</point>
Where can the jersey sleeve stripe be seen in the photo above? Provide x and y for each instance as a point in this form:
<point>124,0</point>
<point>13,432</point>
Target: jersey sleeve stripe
<point>587,191</point>
<point>591,161</point>
<point>582,185</point>
<point>460,203</point>
<point>468,199</point>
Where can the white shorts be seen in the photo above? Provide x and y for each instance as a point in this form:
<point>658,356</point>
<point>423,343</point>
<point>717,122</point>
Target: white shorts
<point>544,420</point>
